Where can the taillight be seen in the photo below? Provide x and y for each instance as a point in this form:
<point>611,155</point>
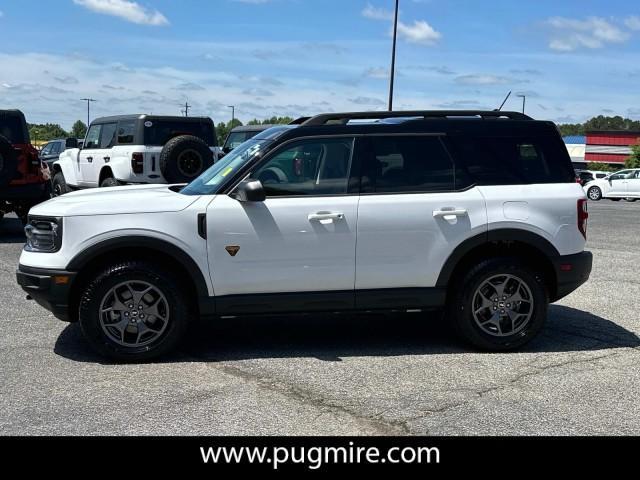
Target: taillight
<point>583,215</point>
<point>137,162</point>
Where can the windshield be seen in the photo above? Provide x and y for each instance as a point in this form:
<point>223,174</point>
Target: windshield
<point>210,181</point>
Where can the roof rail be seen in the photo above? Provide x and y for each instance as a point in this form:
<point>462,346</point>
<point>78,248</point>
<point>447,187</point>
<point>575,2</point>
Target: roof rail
<point>343,118</point>
<point>299,121</point>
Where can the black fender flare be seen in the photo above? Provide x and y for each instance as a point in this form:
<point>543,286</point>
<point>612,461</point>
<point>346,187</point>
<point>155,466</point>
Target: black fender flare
<point>141,241</point>
<point>500,235</point>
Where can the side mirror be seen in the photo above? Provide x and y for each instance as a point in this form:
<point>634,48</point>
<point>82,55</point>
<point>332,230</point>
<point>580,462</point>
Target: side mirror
<point>250,191</point>
<point>71,143</point>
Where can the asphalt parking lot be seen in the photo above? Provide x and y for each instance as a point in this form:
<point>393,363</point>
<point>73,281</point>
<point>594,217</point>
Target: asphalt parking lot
<point>337,375</point>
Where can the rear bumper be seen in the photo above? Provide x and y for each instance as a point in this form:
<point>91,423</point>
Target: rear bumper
<point>48,288</point>
<point>571,272</point>
<point>26,191</point>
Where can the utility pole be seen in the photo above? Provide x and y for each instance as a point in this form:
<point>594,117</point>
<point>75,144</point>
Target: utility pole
<point>233,114</point>
<point>393,56</point>
<point>186,109</point>
<point>88,100</point>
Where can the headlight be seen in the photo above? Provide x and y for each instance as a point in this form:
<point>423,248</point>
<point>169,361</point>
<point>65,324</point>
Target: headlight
<point>44,234</point>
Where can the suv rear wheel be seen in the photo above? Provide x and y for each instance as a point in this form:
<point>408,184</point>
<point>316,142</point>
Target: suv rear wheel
<point>501,305</point>
<point>134,311</point>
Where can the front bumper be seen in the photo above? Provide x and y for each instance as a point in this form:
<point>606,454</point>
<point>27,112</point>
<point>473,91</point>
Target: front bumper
<point>49,288</point>
<point>571,272</point>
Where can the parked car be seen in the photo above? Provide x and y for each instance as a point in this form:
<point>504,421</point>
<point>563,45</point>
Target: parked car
<point>138,149</point>
<point>623,184</point>
<point>24,180</point>
<point>474,212</point>
<point>51,151</point>
<point>241,134</point>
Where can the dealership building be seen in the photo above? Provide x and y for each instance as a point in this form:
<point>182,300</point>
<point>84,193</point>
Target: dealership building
<point>600,146</point>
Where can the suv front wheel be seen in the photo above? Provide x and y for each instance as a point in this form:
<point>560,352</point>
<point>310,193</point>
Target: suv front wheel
<point>134,311</point>
<point>501,305</point>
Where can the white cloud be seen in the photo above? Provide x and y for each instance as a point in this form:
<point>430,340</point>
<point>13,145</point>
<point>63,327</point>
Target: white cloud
<point>377,72</point>
<point>125,9</point>
<point>1,14</point>
<point>377,13</point>
<point>633,22</point>
<point>483,80</point>
<point>419,32</point>
<point>570,34</point>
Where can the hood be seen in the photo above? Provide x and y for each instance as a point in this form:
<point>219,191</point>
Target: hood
<point>115,201</point>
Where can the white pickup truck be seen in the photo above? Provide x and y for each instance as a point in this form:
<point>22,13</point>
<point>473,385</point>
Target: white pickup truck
<point>137,149</point>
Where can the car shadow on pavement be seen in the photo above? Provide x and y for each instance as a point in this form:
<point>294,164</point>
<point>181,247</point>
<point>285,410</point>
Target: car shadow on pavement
<point>331,337</point>
<point>11,230</point>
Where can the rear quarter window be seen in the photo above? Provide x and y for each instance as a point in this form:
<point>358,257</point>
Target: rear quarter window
<point>488,160</point>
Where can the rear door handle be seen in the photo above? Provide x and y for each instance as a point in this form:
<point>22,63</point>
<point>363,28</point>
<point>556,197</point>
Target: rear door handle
<point>319,216</point>
<point>454,212</point>
<point>106,159</point>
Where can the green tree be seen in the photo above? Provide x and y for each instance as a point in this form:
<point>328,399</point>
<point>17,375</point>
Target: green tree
<point>634,160</point>
<point>79,129</point>
<point>599,123</point>
<point>271,121</point>
<point>601,167</point>
<point>44,132</point>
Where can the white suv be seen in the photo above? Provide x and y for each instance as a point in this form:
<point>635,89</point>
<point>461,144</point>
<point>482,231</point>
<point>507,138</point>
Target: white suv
<point>137,149</point>
<point>476,212</point>
<point>623,184</point>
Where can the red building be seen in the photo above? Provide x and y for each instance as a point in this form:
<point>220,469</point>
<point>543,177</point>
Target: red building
<point>610,146</point>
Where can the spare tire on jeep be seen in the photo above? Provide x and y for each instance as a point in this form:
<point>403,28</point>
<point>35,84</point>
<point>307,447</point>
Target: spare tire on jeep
<point>8,162</point>
<point>183,158</point>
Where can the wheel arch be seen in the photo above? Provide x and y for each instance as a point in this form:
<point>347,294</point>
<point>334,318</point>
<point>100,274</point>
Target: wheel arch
<point>532,248</point>
<point>105,172</point>
<point>176,259</point>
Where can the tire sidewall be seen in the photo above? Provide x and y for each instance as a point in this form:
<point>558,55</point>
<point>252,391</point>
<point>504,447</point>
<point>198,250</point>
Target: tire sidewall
<point>109,182</point>
<point>595,189</point>
<point>91,299</point>
<point>461,307</point>
<point>171,153</point>
<point>59,181</point>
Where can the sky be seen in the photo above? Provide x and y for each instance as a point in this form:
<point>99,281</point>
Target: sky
<point>572,59</point>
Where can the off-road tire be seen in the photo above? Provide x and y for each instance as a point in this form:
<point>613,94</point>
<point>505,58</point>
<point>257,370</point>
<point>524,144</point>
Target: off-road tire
<point>59,185</point>
<point>462,293</point>
<point>184,158</point>
<point>131,271</point>
<point>109,182</point>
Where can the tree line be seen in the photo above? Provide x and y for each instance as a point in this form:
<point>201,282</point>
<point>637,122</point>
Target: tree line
<point>223,129</point>
<point>43,132</point>
<point>600,122</point>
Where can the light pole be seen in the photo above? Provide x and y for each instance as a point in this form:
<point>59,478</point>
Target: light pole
<point>88,100</point>
<point>393,56</point>
<point>233,114</point>
<point>524,101</point>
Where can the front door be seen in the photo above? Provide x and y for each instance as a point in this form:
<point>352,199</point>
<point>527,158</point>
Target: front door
<point>87,156</point>
<point>296,250</point>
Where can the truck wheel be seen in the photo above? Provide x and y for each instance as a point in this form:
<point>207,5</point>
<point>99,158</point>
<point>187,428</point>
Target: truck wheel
<point>184,158</point>
<point>133,311</point>
<point>59,185</point>
<point>594,194</point>
<point>109,182</point>
<point>8,162</point>
<point>501,305</point>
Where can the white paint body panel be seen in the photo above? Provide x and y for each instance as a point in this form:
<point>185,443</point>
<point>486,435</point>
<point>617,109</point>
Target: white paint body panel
<point>552,212</point>
<point>401,243</point>
<point>281,249</point>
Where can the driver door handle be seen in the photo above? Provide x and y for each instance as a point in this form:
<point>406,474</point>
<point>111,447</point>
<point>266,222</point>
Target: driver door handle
<point>443,213</point>
<point>319,216</point>
<point>89,159</point>
<point>106,159</point>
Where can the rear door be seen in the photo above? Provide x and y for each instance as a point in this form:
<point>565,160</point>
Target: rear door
<point>411,216</point>
<point>633,187</point>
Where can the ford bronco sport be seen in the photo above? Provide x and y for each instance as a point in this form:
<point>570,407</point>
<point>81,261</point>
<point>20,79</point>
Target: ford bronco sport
<point>137,149</point>
<point>24,179</point>
<point>475,212</point>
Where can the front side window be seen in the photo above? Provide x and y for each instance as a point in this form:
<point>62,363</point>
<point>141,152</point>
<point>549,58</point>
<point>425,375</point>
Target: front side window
<point>56,148</point>
<point>308,167</point>
<point>108,135</point>
<point>93,137</point>
<point>411,164</point>
<point>46,150</point>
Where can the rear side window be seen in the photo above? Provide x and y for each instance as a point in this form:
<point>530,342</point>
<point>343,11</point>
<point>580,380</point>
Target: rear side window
<point>159,132</point>
<point>408,164</point>
<point>126,130</point>
<point>236,138</point>
<point>513,160</point>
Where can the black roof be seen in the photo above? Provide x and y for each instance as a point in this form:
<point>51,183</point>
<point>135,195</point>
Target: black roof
<point>445,121</point>
<point>144,116</point>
